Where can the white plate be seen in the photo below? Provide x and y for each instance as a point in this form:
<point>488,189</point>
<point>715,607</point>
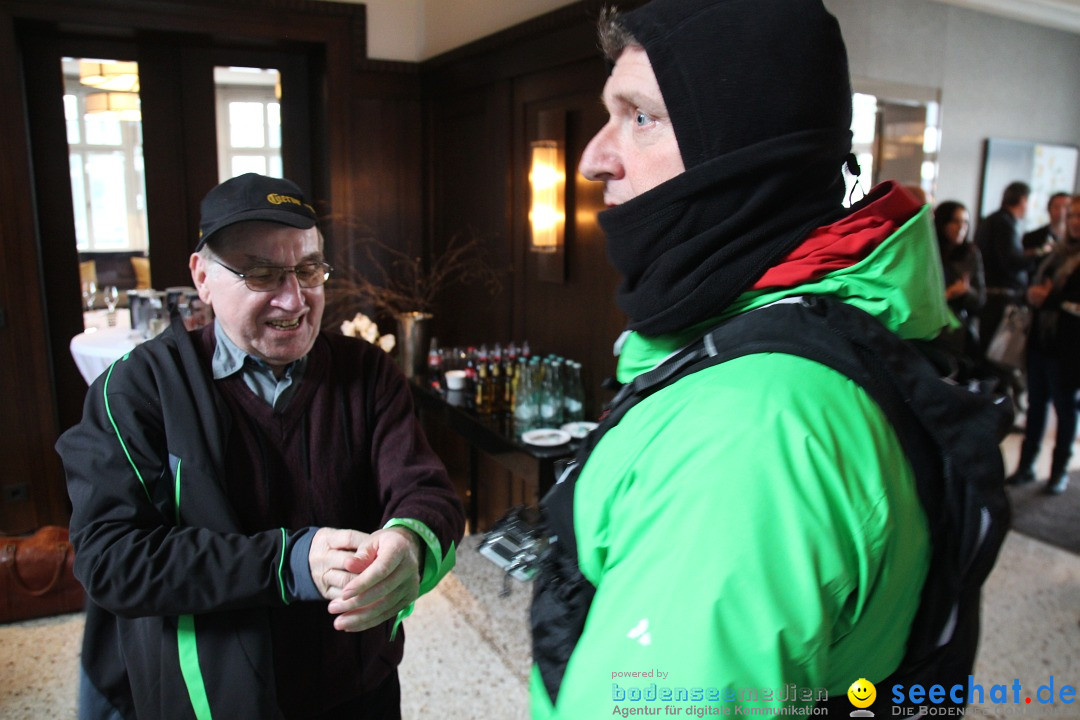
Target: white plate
<point>546,437</point>
<point>579,430</point>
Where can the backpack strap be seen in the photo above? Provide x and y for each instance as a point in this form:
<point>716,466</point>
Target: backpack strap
<point>943,429</point>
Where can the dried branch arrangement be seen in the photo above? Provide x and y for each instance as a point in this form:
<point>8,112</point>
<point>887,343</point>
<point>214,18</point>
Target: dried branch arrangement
<point>399,283</point>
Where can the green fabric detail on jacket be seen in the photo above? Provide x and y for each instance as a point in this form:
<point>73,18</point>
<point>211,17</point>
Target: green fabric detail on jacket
<point>112,421</point>
<point>187,646</point>
<point>900,283</point>
<point>190,668</point>
<point>281,566</point>
<point>179,462</point>
<point>436,565</point>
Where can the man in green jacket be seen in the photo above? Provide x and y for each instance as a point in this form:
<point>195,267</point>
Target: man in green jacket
<point>753,531</point>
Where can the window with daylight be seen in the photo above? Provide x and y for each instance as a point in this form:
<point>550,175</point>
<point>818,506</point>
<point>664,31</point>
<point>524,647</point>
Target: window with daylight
<point>248,121</point>
<point>104,133</point>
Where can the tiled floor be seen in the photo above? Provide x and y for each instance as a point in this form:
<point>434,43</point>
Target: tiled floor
<point>1031,615</point>
<point>1031,627</point>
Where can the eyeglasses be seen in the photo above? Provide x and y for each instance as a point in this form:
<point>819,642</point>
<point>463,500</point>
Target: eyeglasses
<point>267,278</point>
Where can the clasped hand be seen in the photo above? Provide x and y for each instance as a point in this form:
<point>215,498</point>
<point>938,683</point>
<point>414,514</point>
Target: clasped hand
<point>368,578</point>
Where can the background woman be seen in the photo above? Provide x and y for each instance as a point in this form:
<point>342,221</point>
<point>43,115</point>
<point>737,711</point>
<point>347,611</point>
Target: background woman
<point>965,286</point>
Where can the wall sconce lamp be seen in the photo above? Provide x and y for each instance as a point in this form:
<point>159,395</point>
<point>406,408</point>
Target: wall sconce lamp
<point>549,202</point>
<point>547,214</point>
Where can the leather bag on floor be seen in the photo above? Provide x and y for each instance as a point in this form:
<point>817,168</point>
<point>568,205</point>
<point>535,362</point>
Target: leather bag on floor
<point>36,576</point>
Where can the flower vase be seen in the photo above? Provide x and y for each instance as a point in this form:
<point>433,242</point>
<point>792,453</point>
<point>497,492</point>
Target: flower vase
<point>414,335</point>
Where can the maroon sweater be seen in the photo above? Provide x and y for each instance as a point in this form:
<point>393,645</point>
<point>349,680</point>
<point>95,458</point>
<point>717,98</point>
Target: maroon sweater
<point>346,451</point>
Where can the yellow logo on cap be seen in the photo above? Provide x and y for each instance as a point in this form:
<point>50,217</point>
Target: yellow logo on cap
<point>275,199</point>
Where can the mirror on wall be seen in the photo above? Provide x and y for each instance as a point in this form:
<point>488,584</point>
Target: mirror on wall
<point>1047,168</point>
<point>896,131</point>
<point>248,111</point>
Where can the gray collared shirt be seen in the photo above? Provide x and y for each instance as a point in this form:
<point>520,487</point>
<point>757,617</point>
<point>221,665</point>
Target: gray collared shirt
<point>257,375</point>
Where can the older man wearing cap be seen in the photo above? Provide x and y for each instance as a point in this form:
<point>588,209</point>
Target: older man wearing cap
<point>254,507</point>
<point>749,536</point>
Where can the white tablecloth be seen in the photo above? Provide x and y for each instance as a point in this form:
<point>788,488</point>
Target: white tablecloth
<point>99,345</point>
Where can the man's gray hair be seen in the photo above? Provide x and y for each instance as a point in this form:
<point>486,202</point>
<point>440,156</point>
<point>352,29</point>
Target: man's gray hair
<point>614,38</point>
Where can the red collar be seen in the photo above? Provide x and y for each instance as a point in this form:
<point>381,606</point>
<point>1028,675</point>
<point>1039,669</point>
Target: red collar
<point>846,241</point>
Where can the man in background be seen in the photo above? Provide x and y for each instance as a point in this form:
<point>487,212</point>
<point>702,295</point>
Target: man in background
<point>1039,242</point>
<point>1005,262</point>
<point>254,506</point>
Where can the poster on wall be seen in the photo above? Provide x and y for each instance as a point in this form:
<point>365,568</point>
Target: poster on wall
<point>1046,167</point>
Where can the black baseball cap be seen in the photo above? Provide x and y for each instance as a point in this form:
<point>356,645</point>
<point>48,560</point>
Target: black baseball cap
<point>253,197</point>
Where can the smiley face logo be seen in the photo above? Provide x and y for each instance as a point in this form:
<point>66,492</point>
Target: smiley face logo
<point>862,693</point>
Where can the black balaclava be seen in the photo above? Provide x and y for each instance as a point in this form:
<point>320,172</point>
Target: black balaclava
<point>759,97</point>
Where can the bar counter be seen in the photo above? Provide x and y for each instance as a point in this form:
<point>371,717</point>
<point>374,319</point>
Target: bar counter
<point>494,435</point>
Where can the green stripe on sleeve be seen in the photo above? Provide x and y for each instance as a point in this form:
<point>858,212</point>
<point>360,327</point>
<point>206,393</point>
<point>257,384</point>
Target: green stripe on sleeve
<point>436,565</point>
<point>108,412</point>
<point>189,667</point>
<point>281,566</point>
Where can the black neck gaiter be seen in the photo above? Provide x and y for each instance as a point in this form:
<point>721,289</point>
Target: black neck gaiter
<point>688,247</point>
<point>759,97</point>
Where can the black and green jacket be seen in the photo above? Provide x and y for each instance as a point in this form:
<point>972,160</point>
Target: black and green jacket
<point>182,597</point>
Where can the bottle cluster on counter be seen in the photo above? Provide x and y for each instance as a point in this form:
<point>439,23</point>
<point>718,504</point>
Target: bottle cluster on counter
<point>510,380</point>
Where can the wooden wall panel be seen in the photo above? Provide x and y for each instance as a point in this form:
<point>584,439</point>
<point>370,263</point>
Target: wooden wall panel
<point>55,232</point>
<point>471,190</point>
<point>28,424</point>
<point>484,101</point>
<point>385,176</point>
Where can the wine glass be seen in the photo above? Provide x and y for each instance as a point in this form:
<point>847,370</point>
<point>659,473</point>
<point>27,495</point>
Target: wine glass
<point>111,296</point>
<point>89,293</point>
